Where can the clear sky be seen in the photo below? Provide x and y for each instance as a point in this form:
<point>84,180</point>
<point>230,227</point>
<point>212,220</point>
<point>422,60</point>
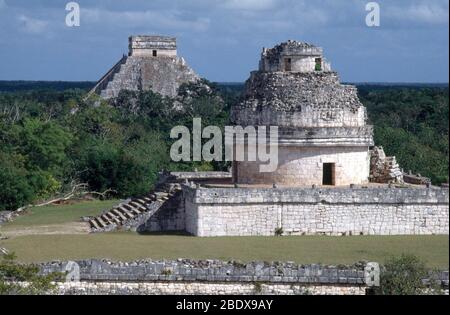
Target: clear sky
<point>222,39</point>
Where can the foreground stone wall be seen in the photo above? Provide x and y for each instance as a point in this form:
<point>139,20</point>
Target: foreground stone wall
<point>374,211</point>
<point>211,277</point>
<point>200,288</point>
<point>187,270</point>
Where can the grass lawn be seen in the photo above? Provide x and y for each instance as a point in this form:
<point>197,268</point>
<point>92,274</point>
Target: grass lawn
<point>59,214</point>
<point>434,250</point>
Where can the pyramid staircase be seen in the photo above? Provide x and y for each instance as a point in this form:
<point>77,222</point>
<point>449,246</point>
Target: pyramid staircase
<point>131,212</point>
<point>127,77</point>
<point>103,83</point>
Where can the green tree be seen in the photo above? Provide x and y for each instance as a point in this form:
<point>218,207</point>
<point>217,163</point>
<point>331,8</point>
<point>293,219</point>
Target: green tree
<point>15,189</point>
<point>13,276</point>
<point>129,168</point>
<point>403,276</point>
<point>44,144</point>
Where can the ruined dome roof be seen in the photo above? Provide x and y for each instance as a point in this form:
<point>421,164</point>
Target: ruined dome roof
<point>294,43</point>
<point>299,100</point>
<point>292,47</point>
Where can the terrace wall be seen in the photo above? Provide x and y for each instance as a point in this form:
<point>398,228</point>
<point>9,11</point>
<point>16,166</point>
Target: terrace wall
<point>337,211</point>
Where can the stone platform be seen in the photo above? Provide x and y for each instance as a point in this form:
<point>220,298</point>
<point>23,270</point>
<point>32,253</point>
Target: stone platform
<point>374,210</point>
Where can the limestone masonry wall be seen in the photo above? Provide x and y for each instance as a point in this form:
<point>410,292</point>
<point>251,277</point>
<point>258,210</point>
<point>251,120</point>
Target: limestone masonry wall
<point>168,218</point>
<point>185,276</point>
<point>201,288</point>
<point>371,211</point>
<point>213,277</point>
<point>293,56</point>
<point>305,166</point>
<point>146,45</point>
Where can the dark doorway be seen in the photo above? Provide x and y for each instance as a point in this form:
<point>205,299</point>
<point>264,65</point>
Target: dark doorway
<point>288,64</point>
<point>318,64</point>
<point>329,174</point>
<point>155,53</point>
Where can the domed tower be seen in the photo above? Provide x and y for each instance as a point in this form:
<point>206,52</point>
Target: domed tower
<point>324,138</point>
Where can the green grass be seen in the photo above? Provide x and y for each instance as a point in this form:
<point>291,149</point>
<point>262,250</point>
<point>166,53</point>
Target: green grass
<point>60,214</point>
<point>434,250</point>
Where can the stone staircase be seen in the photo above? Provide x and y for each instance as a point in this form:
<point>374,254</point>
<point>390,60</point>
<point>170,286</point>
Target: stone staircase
<point>384,169</point>
<point>162,75</point>
<point>132,212</point>
<point>394,168</point>
<point>102,84</point>
<point>126,78</point>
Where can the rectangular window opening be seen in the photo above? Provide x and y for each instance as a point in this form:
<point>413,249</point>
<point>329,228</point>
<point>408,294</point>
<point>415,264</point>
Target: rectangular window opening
<point>155,53</point>
<point>318,64</point>
<point>288,64</point>
<point>329,174</point>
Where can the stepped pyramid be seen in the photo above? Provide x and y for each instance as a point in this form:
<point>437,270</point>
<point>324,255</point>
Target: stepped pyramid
<point>152,64</point>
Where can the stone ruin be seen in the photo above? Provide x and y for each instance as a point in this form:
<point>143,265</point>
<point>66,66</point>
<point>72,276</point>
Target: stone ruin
<point>384,169</point>
<point>327,160</point>
<point>152,64</point>
<point>324,137</point>
<point>417,179</point>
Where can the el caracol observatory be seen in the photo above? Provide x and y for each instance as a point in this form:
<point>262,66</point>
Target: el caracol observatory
<point>152,64</point>
<point>330,180</point>
<point>324,138</point>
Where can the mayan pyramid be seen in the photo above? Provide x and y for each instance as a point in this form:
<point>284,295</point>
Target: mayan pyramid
<point>152,64</point>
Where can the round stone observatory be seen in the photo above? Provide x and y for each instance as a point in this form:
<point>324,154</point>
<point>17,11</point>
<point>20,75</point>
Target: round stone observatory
<point>324,138</point>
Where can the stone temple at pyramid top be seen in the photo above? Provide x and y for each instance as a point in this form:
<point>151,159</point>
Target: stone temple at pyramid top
<point>152,64</point>
<point>152,46</point>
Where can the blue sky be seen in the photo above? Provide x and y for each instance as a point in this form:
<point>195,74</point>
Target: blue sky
<point>222,39</point>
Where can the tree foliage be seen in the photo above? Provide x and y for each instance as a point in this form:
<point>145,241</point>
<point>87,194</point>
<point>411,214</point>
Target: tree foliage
<point>413,125</point>
<point>50,140</point>
<point>17,279</point>
<point>404,275</point>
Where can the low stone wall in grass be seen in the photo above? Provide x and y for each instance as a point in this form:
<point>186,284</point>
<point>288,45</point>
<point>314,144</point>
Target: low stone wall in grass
<point>212,277</point>
<point>203,288</point>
